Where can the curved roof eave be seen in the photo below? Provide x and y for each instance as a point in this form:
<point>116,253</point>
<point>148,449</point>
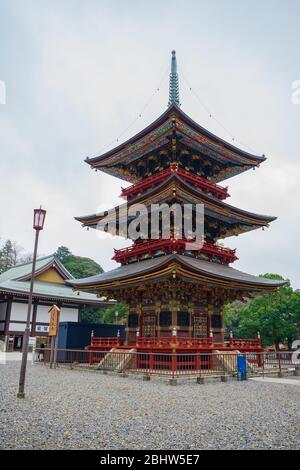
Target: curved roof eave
<point>216,270</point>
<point>211,199</point>
<point>189,121</point>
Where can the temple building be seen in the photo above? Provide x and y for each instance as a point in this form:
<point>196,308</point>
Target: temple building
<point>49,288</point>
<point>175,295</point>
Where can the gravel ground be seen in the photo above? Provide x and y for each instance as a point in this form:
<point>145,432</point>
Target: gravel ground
<point>71,409</point>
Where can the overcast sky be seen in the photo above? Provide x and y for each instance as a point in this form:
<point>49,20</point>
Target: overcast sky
<point>78,73</point>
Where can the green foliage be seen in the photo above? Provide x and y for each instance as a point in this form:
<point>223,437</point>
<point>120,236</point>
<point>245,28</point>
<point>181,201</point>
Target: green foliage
<point>232,315</point>
<point>78,266</point>
<point>275,315</point>
<point>109,314</point>
<point>92,315</point>
<point>62,253</point>
<point>81,267</point>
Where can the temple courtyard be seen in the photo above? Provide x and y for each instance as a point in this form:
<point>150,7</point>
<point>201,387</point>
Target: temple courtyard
<point>72,409</point>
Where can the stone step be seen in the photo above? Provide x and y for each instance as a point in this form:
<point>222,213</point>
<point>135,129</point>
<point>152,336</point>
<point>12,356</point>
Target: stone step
<point>117,360</point>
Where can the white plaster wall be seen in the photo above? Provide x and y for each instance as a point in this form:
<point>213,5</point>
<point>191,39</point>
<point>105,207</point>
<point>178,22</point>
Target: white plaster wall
<point>43,315</point>
<point>3,307</point>
<point>18,312</point>
<point>17,327</point>
<point>68,314</point>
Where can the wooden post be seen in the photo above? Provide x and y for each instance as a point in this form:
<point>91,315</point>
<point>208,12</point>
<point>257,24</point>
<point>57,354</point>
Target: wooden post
<point>7,318</point>
<point>51,351</point>
<point>151,363</point>
<point>53,333</point>
<point>56,340</point>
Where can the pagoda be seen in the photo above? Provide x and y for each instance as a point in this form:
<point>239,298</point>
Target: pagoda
<point>175,296</point>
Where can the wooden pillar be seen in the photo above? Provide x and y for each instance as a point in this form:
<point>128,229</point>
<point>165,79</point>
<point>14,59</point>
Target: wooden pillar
<point>174,310</point>
<point>223,326</point>
<point>191,313</point>
<point>157,311</point>
<point>7,319</point>
<point>210,309</point>
<point>33,320</point>
<point>139,312</point>
<point>126,325</point>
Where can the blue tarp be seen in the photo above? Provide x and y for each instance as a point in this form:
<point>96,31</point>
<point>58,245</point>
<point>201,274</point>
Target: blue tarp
<point>74,335</point>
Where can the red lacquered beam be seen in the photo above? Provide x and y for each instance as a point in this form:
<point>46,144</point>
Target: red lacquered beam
<point>218,191</point>
<point>168,246</point>
<point>235,342</point>
<point>105,341</point>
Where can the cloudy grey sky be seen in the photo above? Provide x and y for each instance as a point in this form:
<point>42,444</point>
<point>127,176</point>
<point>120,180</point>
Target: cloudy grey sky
<point>78,73</point>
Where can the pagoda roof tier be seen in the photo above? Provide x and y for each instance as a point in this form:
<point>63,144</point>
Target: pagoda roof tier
<point>226,159</point>
<point>230,220</point>
<point>197,181</point>
<point>174,267</point>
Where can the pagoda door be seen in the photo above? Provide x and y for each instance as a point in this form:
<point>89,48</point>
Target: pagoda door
<point>200,325</point>
<point>148,325</point>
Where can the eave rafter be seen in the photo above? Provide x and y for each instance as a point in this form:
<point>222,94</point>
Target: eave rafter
<point>178,268</point>
<point>230,220</point>
<point>117,161</point>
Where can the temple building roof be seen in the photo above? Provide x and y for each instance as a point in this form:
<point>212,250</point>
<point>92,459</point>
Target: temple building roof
<point>22,271</point>
<point>183,266</point>
<point>50,283</point>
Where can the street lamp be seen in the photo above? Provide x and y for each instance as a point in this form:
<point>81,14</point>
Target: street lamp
<point>38,224</point>
<point>116,316</point>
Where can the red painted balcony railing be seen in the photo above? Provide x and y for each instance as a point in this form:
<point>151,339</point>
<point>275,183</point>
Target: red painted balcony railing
<point>156,247</point>
<point>206,186</point>
<point>168,340</point>
<point>105,342</point>
<point>244,343</point>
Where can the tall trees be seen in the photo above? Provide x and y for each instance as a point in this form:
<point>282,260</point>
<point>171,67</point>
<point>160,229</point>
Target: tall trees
<point>9,255</point>
<point>81,267</point>
<point>78,266</point>
<point>109,314</point>
<point>63,253</point>
<point>275,315</point>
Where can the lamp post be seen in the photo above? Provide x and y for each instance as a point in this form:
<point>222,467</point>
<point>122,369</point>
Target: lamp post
<point>38,224</point>
<point>116,316</point>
